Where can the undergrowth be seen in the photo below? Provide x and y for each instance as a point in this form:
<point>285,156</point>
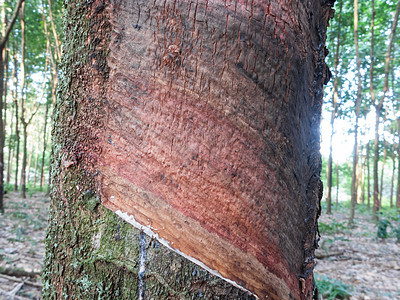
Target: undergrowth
<point>332,289</point>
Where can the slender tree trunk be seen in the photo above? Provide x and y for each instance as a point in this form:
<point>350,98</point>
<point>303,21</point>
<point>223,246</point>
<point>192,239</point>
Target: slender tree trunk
<point>53,65</point>
<point>55,35</point>
<point>44,145</point>
<point>382,173</point>
<point>392,181</point>
<point>11,144</point>
<point>359,177</point>
<point>337,184</point>
<point>25,120</point>
<point>35,168</point>
<point>3,42</point>
<point>202,140</point>
<point>376,203</point>
<point>398,166</point>
<point>23,104</point>
<point>10,158</point>
<point>1,133</point>
<point>333,115</point>
<point>368,179</point>
<point>378,106</point>
<point>363,181</point>
<point>358,108</point>
<point>29,164</point>
<point>17,131</point>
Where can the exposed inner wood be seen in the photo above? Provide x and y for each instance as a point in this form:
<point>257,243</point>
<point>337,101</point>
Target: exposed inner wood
<point>211,136</point>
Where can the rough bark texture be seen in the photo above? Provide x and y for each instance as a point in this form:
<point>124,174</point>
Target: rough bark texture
<point>398,166</point>
<point>199,124</point>
<point>356,126</point>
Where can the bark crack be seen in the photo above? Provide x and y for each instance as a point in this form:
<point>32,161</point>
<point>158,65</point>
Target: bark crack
<point>142,265</point>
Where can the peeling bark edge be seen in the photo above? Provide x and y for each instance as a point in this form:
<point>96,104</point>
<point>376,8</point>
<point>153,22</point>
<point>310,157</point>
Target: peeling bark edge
<point>149,231</point>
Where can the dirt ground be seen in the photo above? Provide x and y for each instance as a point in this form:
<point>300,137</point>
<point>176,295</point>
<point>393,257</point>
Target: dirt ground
<point>22,235</point>
<point>369,266</point>
<point>356,257</point>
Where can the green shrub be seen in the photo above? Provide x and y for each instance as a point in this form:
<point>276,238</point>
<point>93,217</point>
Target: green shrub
<point>397,233</point>
<point>383,225</point>
<point>331,288</point>
<point>333,227</point>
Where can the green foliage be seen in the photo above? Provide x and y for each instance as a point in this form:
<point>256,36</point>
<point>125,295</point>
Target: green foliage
<point>396,231</point>
<point>334,227</point>
<point>390,213</point>
<point>332,289</point>
<point>382,228</point>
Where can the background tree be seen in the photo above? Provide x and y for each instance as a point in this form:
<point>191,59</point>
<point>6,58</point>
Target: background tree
<point>379,105</point>
<point>3,42</point>
<point>358,109</point>
<point>373,41</point>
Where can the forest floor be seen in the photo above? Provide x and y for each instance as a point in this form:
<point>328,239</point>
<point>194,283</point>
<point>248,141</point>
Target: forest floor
<point>23,231</point>
<point>352,261</point>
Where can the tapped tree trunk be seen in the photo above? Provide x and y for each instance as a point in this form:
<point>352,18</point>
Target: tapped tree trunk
<point>186,150</point>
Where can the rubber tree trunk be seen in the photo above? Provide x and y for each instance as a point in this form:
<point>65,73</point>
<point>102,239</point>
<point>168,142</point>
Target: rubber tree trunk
<point>198,123</point>
<point>356,126</point>
<point>393,177</point>
<point>17,119</point>
<point>398,167</point>
<point>368,177</point>
<point>333,115</point>
<point>3,41</point>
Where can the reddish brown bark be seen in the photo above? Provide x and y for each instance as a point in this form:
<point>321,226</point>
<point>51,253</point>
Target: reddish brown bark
<point>209,142</point>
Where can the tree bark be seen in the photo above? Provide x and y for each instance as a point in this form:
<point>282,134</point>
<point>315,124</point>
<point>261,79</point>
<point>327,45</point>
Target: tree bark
<point>333,114</point>
<point>11,145</point>
<point>398,166</point>
<point>385,145</point>
<point>337,184</point>
<point>358,108</point>
<point>379,105</point>
<point>54,72</point>
<point>393,176</point>
<point>23,105</point>
<point>362,182</point>
<point>44,145</point>
<point>198,123</point>
<point>55,35</point>
<point>368,179</point>
<point>3,42</point>
<point>17,131</point>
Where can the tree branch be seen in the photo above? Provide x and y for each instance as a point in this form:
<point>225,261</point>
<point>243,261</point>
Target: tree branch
<point>11,24</point>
